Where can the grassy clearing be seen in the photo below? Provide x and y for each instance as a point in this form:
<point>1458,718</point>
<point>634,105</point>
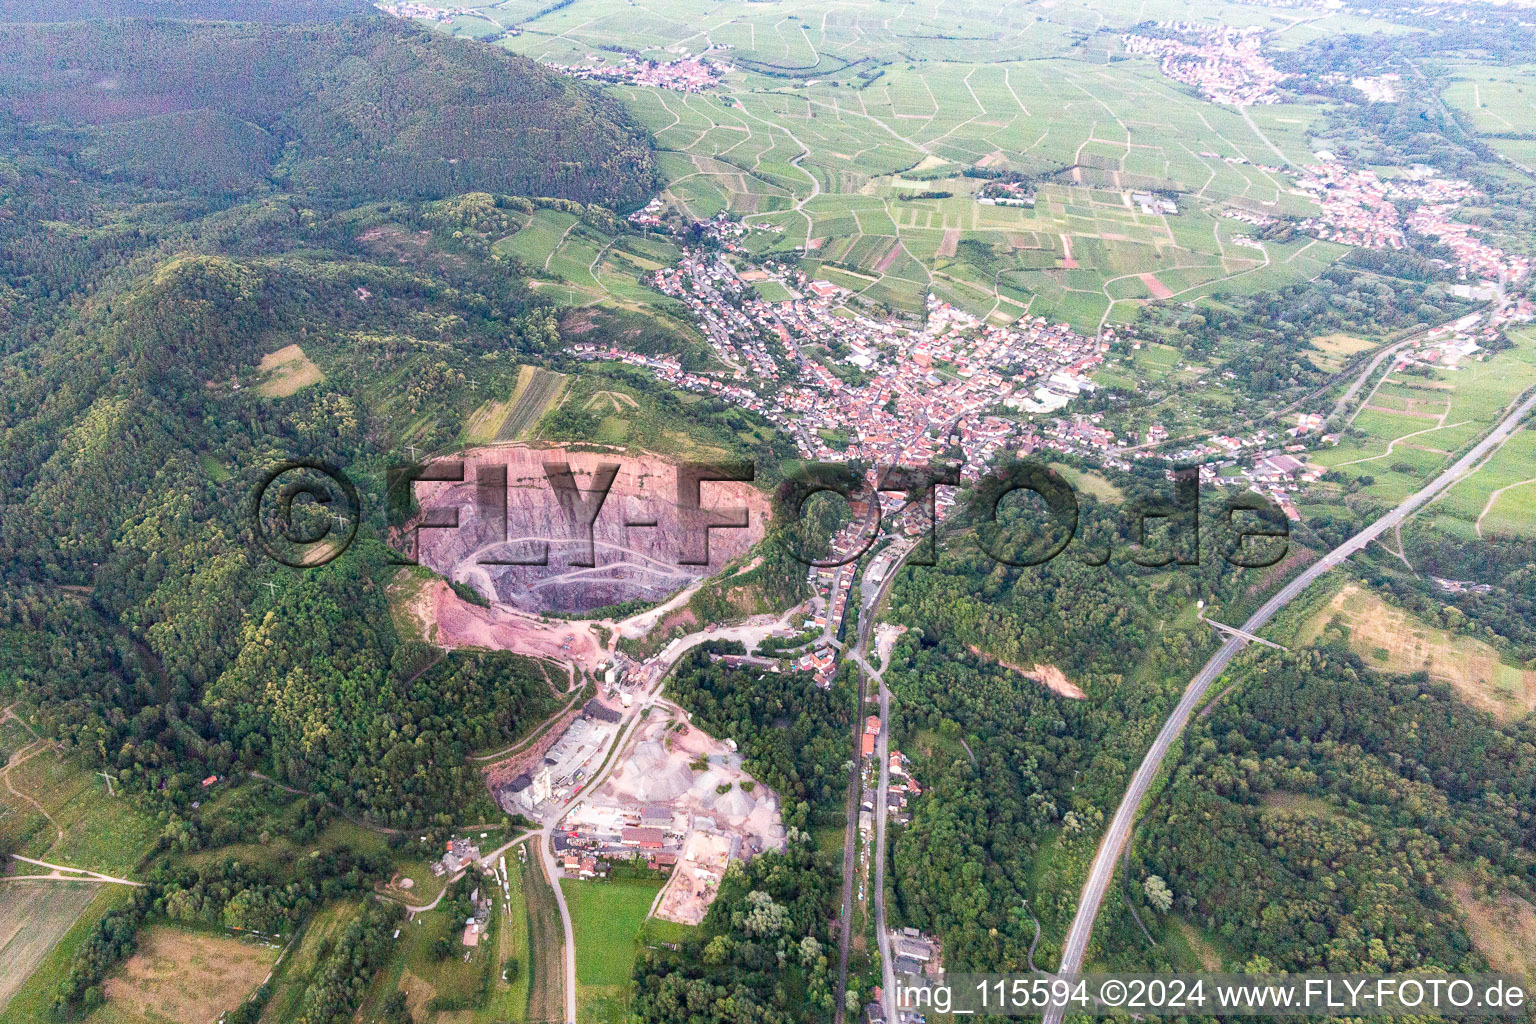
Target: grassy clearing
<point>655,931</point>
<point>1303,804</point>
<point>1090,482</point>
<point>286,371</point>
<point>607,917</point>
<point>457,979</point>
<point>771,291</point>
<point>534,244</point>
<point>546,942</point>
<point>1197,949</point>
<point>1392,640</point>
<point>1334,350</point>
<point>34,916</point>
<point>405,592</point>
<point>277,850</point>
<point>186,977</point>
<point>101,833</point>
<point>1502,929</point>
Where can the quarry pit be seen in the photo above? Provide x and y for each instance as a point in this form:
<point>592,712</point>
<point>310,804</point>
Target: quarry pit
<point>644,537</point>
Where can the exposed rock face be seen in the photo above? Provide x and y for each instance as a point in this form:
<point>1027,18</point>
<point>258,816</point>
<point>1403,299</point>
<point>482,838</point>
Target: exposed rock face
<point>521,537</point>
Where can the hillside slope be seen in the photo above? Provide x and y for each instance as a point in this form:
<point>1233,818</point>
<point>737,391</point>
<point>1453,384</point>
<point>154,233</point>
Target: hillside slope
<point>364,109</point>
<point>217,253</point>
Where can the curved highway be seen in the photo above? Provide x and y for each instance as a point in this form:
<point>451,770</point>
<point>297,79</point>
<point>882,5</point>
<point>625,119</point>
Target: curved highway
<point>1103,868</point>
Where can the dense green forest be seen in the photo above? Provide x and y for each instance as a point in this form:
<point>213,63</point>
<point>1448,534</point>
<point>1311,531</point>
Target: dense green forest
<point>360,110</point>
<point>1018,780</point>
<point>275,11</point>
<point>177,201</point>
<point>1407,789</point>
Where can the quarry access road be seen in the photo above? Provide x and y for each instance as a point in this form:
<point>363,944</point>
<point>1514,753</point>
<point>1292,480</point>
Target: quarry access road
<point>1103,869</point>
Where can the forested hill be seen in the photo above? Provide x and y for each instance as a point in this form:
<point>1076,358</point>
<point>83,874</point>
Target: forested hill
<point>276,11</point>
<point>370,108</point>
<point>180,200</point>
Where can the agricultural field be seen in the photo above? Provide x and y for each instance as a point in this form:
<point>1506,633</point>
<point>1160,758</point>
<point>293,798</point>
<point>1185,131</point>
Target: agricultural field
<point>510,419</point>
<point>1499,497</point>
<point>546,944</point>
<point>34,916</point>
<point>509,994</point>
<point>607,917</point>
<point>1500,103</point>
<point>817,134</point>
<point>183,977</point>
<point>623,409</point>
<point>1391,639</point>
<point>1410,426</point>
<point>538,390</point>
<point>577,264</point>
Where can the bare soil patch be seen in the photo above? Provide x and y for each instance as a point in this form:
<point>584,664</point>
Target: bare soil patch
<point>1156,287</point>
<point>461,624</point>
<point>188,978</point>
<point>950,243</point>
<point>1048,676</point>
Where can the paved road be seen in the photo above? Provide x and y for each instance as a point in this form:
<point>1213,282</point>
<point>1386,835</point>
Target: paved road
<point>553,817</point>
<point>882,933</point>
<point>1284,161</point>
<point>1354,389</point>
<point>542,841</point>
<point>1103,869</point>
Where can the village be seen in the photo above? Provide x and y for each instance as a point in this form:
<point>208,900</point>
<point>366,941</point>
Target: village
<point>851,387</point>
<point>687,74</point>
<point>847,387</point>
<point>1360,207</point>
<point>1224,63</point>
